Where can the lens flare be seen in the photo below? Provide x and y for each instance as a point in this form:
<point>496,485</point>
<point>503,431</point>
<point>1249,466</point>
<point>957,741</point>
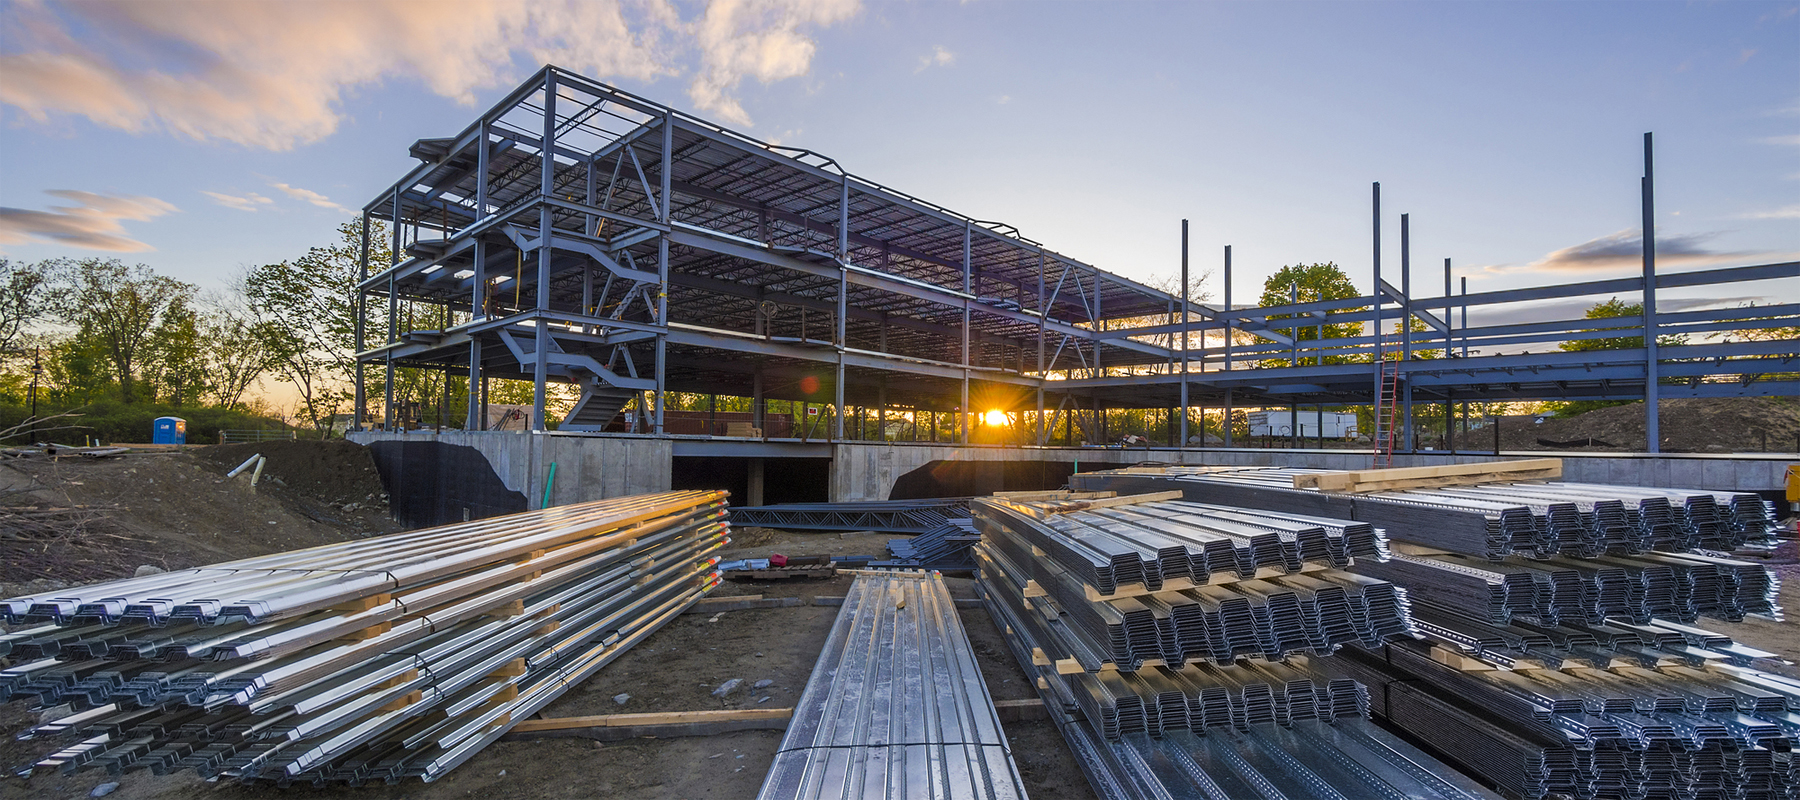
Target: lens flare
<point>994,418</point>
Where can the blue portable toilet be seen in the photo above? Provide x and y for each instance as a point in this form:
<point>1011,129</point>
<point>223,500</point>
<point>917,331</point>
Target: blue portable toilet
<point>170,430</point>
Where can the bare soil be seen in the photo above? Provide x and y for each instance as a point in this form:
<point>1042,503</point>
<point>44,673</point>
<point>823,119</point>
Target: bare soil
<point>1712,425</point>
<point>176,510</point>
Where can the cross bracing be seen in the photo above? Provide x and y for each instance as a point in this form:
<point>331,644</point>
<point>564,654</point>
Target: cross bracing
<point>659,252</point>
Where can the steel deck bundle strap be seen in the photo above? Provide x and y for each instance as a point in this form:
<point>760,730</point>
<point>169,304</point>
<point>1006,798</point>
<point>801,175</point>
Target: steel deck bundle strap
<point>896,706</point>
<point>886,516</point>
<point>409,679</point>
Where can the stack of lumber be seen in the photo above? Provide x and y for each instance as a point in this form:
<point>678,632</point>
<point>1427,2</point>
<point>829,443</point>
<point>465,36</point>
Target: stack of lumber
<point>363,661</point>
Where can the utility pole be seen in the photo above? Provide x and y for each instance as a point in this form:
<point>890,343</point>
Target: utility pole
<point>37,369</point>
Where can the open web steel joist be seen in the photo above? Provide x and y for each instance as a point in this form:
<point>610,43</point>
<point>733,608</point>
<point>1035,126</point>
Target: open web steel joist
<point>885,516</point>
<point>896,706</point>
<point>1243,727</point>
<point>376,660</point>
<point>582,234</point>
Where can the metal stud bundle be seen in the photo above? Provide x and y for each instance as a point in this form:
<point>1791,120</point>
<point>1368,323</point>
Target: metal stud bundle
<point>364,661</point>
<point>1489,521</point>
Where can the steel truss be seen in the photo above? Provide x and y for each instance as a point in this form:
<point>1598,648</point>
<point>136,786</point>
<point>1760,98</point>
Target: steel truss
<point>652,251</point>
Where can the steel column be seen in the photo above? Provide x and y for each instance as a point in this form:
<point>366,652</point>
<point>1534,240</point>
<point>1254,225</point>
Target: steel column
<point>1228,404</point>
<point>478,300</point>
<point>1406,403</point>
<point>1184,335</point>
<point>1375,395</point>
<point>541,367</point>
<point>968,282</point>
<point>361,308</point>
<point>1652,421</point>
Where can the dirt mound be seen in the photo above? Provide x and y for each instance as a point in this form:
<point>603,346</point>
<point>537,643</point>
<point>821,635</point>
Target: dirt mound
<point>1712,425</point>
<point>335,473</point>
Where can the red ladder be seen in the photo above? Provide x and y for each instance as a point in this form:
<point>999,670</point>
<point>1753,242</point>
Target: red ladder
<point>1386,410</point>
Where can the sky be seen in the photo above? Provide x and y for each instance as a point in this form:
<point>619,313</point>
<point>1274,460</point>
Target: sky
<point>201,138</point>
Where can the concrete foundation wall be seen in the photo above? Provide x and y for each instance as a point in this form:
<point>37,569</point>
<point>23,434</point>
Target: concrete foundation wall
<point>587,467</point>
<point>868,471</point>
<point>597,467</point>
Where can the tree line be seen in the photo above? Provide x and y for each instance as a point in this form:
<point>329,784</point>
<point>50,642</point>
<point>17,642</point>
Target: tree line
<point>76,332</point>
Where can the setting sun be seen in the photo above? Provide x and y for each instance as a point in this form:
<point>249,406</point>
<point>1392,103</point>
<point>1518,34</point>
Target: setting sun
<point>994,418</point>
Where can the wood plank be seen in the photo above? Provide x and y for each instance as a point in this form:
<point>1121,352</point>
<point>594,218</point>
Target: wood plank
<point>1369,480</point>
<point>665,725</point>
<point>1109,502</point>
<point>838,600</point>
<point>1021,710</point>
<point>721,604</point>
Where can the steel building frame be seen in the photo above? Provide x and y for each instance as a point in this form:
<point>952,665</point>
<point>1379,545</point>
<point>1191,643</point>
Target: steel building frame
<point>667,253</point>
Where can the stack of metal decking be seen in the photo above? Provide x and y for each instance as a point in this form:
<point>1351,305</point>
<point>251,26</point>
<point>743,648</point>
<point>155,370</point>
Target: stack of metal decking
<point>1135,581</point>
<point>1563,663</point>
<point>1174,643</point>
<point>1491,520</point>
<point>896,706</point>
<point>364,661</point>
<point>945,547</point>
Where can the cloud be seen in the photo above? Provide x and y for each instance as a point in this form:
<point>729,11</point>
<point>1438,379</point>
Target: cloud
<point>1785,212</point>
<point>93,224</point>
<point>758,39</point>
<point>248,202</point>
<point>1746,54</point>
<point>1625,248</point>
<point>309,196</point>
<point>938,57</point>
<point>277,75</point>
<point>1793,140</point>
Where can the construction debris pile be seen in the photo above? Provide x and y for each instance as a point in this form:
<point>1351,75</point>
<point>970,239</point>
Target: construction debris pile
<point>896,706</point>
<point>1173,643</point>
<point>1563,674</point>
<point>366,661</point>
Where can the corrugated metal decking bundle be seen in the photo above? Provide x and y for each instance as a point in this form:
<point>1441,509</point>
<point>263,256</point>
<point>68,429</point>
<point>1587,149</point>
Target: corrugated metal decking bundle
<point>1254,729</point>
<point>896,706</point>
<point>1120,582</point>
<point>1490,521</point>
<point>464,629</point>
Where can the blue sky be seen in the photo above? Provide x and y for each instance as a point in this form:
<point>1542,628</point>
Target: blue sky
<point>202,138</point>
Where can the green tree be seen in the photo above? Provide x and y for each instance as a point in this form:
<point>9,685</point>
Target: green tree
<point>306,309</point>
<point>117,308</point>
<point>1308,283</point>
<point>1610,309</point>
<point>175,363</point>
<point>22,300</point>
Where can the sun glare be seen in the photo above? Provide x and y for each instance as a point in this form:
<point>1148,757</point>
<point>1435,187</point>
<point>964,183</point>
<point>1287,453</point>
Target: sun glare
<point>994,418</point>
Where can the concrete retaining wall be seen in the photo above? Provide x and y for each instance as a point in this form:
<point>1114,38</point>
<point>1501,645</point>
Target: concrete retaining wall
<point>587,467</point>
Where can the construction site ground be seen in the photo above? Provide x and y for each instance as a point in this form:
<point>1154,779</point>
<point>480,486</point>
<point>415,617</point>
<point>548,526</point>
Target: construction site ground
<point>175,510</point>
